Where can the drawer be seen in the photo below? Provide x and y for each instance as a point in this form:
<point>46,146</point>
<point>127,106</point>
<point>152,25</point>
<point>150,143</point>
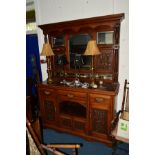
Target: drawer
<point>47,92</point>
<point>72,95</point>
<point>100,99</point>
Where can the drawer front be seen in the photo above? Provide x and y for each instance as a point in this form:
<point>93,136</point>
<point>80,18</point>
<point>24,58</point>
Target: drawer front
<point>72,95</point>
<point>47,92</point>
<point>95,98</point>
<point>100,100</point>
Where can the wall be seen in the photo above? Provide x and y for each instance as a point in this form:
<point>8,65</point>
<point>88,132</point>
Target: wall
<point>51,11</point>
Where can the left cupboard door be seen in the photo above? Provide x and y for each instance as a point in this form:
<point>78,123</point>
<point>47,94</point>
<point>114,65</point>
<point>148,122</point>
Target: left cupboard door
<point>48,107</point>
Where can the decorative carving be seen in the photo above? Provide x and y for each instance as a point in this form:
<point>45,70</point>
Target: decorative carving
<point>99,120</point>
<point>105,60</point>
<point>49,110</point>
<point>117,34</point>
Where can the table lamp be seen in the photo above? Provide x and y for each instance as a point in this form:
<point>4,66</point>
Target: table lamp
<point>92,50</point>
<point>48,52</point>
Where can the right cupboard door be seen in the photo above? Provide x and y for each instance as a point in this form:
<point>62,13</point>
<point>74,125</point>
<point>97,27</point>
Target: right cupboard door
<point>100,108</point>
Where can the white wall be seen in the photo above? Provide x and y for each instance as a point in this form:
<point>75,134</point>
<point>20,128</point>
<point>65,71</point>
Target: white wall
<point>51,11</point>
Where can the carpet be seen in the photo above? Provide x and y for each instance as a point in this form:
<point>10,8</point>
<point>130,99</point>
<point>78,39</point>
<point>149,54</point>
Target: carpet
<point>88,148</point>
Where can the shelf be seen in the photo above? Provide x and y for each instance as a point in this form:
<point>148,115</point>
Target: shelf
<point>73,109</point>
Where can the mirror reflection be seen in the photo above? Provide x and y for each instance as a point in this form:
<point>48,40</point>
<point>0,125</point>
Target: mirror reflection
<point>105,37</point>
<point>58,41</point>
<point>78,44</point>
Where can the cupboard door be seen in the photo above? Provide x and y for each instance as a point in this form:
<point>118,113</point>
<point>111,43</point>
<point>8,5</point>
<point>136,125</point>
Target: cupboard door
<point>99,114</point>
<point>49,110</point>
<point>48,107</point>
<point>99,120</point>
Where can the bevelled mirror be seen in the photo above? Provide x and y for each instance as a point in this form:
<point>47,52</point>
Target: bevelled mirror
<point>77,46</point>
<point>105,37</point>
<point>58,41</point>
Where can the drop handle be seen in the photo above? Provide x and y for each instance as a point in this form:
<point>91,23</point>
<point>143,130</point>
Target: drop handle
<point>99,99</point>
<point>70,95</point>
<point>47,93</point>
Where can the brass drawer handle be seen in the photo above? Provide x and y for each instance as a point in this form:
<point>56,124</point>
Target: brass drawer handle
<point>47,92</point>
<point>70,95</point>
<point>99,99</point>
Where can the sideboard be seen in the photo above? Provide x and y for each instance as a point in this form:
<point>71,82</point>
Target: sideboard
<point>85,112</point>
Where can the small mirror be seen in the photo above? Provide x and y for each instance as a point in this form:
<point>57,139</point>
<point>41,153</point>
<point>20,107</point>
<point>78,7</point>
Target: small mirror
<point>58,41</point>
<point>78,44</point>
<point>105,37</point>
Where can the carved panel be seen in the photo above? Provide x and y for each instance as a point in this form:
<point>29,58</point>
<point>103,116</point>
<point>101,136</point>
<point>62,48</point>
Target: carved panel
<point>99,120</point>
<point>105,60</point>
<point>117,34</point>
<point>49,110</point>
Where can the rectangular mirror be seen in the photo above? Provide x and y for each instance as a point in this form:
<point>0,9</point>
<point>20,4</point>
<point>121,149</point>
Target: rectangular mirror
<point>58,41</point>
<point>105,37</point>
<point>78,44</point>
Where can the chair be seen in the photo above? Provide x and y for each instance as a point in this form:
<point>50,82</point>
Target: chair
<point>121,115</point>
<point>35,147</point>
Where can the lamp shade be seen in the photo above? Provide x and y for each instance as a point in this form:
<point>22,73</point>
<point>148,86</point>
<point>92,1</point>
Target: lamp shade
<point>92,48</point>
<point>47,50</point>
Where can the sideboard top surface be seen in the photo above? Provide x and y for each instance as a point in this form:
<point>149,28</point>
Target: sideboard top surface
<point>110,89</point>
